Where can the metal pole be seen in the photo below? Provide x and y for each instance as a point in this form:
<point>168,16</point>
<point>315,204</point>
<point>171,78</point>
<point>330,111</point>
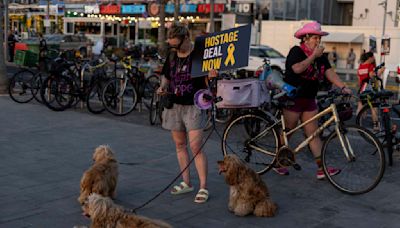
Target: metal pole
<point>3,57</point>
<point>48,17</point>
<point>384,27</point>
<point>212,25</point>
<point>176,10</point>
<point>6,27</point>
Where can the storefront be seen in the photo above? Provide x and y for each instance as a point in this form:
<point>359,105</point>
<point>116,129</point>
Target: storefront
<point>138,22</point>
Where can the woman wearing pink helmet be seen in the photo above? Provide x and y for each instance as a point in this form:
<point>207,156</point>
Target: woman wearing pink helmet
<point>305,67</point>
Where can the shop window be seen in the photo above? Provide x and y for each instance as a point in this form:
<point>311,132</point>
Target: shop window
<point>70,27</point>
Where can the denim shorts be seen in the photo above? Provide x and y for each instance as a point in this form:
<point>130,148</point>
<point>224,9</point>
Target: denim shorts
<point>184,118</point>
<point>303,105</point>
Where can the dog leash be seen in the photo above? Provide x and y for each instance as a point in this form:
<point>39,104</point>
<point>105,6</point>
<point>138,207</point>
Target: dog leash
<point>145,162</point>
<point>173,181</point>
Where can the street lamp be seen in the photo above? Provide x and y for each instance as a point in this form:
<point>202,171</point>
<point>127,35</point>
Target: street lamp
<point>384,4</point>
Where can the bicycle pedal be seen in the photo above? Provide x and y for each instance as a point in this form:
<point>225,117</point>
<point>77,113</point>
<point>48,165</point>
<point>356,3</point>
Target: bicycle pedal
<point>296,166</point>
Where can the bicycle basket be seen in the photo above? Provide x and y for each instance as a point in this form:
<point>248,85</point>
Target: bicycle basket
<point>345,111</point>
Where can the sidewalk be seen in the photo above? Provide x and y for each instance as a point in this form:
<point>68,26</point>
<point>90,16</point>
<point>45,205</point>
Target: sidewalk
<point>44,153</point>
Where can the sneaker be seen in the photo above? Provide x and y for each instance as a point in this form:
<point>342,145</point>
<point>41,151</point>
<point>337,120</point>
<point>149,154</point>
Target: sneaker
<point>331,171</point>
<point>281,171</point>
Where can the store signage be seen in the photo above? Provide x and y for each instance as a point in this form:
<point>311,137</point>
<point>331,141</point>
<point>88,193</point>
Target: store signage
<point>133,9</point>
<point>92,9</point>
<point>110,9</point>
<point>246,8</point>
<point>206,8</point>
<point>184,8</point>
<point>228,49</point>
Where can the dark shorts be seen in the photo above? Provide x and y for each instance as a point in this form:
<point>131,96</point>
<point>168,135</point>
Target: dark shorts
<point>303,105</point>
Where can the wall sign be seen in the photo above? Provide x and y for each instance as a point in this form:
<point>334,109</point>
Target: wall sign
<point>133,9</point>
<point>206,8</point>
<point>110,9</point>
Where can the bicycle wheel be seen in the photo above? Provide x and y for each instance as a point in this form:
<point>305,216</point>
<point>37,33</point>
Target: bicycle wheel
<point>57,93</point>
<point>237,139</point>
<point>155,109</point>
<point>94,101</point>
<point>367,161</point>
<point>119,96</point>
<point>37,82</point>
<point>150,85</point>
<point>20,88</point>
<point>364,119</point>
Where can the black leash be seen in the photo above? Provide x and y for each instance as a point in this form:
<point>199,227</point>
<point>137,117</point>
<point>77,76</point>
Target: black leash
<point>173,181</point>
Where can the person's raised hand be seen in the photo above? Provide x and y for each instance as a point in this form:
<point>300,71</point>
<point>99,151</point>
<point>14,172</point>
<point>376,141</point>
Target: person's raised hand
<point>318,51</point>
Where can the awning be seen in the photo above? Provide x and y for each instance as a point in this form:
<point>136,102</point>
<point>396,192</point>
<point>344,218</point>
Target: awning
<point>343,37</point>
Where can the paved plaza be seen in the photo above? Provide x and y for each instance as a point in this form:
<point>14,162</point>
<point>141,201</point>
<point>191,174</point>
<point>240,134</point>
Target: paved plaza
<point>44,153</point>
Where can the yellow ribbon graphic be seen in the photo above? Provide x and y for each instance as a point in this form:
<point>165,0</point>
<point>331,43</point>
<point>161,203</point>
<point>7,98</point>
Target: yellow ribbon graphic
<point>231,57</point>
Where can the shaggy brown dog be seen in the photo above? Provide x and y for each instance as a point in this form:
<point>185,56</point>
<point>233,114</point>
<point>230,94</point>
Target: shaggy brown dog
<point>248,193</point>
<point>104,213</point>
<point>102,177</point>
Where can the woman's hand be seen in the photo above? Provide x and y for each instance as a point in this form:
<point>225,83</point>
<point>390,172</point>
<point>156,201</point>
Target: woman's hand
<point>212,74</point>
<point>346,90</point>
<point>318,51</point>
<point>161,91</point>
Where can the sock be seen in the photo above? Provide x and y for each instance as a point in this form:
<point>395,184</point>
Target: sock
<point>318,160</point>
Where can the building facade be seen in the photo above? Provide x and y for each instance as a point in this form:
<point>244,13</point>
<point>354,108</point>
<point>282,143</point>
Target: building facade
<point>329,12</point>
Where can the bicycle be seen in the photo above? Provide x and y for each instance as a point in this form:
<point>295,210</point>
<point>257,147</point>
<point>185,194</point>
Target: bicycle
<point>25,84</point>
<point>67,85</point>
<point>380,116</point>
<point>121,94</point>
<point>255,138</point>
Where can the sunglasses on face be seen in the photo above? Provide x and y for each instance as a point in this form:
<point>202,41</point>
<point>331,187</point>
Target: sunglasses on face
<point>177,47</point>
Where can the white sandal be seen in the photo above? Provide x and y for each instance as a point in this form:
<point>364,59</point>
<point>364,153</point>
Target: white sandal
<point>181,188</point>
<point>201,196</point>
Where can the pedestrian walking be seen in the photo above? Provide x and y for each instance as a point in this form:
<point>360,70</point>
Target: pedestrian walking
<point>305,67</point>
<point>11,45</point>
<point>351,59</point>
<point>184,119</point>
<point>42,51</point>
<point>332,57</point>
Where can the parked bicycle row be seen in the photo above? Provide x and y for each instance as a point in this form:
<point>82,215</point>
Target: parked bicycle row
<point>113,84</point>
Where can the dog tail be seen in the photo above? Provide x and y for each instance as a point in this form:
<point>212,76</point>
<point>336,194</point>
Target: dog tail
<point>266,208</point>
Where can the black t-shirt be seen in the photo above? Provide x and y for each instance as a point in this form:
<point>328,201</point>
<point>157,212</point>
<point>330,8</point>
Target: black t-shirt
<point>178,72</point>
<point>307,82</point>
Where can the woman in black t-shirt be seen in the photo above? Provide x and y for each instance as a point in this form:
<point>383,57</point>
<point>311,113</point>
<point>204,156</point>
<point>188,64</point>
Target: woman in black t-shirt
<point>305,68</point>
<point>184,119</point>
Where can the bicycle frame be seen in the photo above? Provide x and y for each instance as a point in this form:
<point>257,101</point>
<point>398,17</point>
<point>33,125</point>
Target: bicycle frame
<point>285,133</point>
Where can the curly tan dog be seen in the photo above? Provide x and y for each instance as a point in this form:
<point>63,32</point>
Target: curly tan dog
<point>102,177</point>
<point>248,193</point>
<point>104,213</point>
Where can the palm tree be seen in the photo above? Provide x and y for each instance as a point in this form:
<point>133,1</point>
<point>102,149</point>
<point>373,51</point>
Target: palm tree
<point>161,29</point>
<point>3,69</point>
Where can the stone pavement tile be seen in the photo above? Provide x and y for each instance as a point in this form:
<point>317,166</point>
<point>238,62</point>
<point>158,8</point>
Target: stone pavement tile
<point>44,154</point>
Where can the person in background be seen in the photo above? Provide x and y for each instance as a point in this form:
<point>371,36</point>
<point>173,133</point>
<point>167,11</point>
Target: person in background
<point>332,57</point>
<point>11,45</point>
<point>305,67</point>
<point>42,51</point>
<point>351,59</point>
<point>365,72</point>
